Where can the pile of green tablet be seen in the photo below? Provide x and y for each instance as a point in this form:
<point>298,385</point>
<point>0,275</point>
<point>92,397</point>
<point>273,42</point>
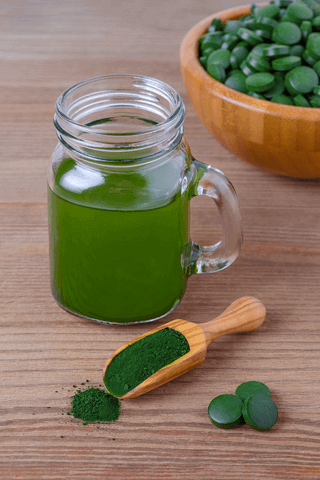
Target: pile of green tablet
<point>251,404</point>
<point>272,54</point>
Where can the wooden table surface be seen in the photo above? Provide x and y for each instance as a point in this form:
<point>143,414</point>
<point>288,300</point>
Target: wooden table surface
<point>45,47</point>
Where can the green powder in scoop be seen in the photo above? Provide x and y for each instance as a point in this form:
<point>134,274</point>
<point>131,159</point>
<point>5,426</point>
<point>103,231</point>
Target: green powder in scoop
<point>141,359</point>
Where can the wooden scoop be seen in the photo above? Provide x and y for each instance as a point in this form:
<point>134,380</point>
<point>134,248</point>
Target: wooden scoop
<point>243,315</point>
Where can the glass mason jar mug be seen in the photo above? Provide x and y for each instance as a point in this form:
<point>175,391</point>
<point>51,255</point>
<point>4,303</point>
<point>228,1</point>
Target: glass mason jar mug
<point>120,184</point>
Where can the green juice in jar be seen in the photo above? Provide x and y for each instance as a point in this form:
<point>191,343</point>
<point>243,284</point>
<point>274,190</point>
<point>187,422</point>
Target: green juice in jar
<point>116,264</point>
<point>121,179</point>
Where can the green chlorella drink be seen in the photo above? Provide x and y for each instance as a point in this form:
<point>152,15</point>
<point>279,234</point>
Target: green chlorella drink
<point>119,189</point>
<point>117,265</point>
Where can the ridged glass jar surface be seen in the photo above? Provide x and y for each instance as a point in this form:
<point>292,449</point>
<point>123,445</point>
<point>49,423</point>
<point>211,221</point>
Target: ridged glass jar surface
<point>120,183</point>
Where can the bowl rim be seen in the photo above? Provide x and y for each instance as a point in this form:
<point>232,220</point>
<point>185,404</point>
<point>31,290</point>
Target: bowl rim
<point>189,49</point>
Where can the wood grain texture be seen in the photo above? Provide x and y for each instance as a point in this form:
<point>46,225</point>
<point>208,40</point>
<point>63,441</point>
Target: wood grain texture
<point>278,138</point>
<point>166,434</point>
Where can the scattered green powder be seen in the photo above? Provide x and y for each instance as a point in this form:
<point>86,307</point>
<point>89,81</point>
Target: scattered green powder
<point>94,405</point>
<point>143,358</point>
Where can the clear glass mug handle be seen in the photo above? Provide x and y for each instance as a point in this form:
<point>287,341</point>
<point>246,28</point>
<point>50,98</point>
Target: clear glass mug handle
<point>213,183</point>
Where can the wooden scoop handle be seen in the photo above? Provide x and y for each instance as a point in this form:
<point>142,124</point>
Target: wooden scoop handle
<point>243,315</point>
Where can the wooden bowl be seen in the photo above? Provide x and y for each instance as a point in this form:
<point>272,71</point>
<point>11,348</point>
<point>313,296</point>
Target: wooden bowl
<point>281,139</point>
